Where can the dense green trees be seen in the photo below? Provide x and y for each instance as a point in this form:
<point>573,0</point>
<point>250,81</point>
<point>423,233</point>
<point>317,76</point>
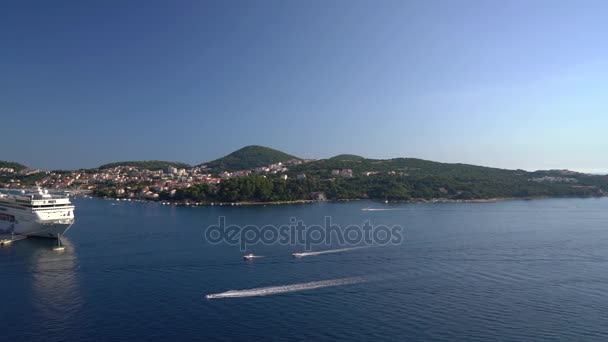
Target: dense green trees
<point>263,189</point>
<point>15,166</point>
<point>196,193</point>
<point>257,188</point>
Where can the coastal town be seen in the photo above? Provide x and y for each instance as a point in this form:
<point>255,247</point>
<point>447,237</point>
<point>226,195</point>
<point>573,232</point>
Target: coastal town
<point>137,182</point>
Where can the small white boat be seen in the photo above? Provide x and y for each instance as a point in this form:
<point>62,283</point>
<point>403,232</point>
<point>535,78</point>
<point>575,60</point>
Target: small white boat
<point>251,256</point>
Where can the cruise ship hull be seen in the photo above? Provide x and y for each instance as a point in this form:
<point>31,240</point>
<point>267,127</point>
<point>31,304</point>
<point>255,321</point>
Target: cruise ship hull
<point>38,229</point>
<point>49,230</point>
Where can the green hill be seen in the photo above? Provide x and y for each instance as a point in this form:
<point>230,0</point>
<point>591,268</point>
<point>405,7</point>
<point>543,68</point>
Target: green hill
<point>406,166</point>
<point>16,166</point>
<point>346,157</point>
<point>402,178</point>
<point>249,157</point>
<point>147,164</point>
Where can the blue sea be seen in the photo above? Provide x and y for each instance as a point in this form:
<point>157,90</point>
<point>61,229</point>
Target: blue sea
<point>510,271</point>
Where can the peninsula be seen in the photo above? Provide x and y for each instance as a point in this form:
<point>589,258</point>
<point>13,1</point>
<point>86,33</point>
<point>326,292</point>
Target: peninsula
<point>257,174</point>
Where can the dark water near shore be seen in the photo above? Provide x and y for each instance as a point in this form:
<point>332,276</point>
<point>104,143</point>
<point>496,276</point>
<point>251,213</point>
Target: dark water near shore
<point>509,271</point>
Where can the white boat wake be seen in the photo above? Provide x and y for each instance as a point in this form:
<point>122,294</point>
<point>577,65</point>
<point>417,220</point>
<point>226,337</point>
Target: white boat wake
<point>305,254</point>
<point>383,209</point>
<point>272,290</point>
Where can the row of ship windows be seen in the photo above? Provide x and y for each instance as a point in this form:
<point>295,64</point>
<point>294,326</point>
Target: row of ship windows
<point>45,209</point>
<point>34,206</point>
<point>24,207</point>
<point>12,206</point>
<point>68,212</point>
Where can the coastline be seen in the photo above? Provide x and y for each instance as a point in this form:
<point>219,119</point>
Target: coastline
<point>187,203</point>
<point>414,200</point>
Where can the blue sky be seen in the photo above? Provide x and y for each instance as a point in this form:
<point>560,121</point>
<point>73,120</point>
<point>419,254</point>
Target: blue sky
<point>513,84</point>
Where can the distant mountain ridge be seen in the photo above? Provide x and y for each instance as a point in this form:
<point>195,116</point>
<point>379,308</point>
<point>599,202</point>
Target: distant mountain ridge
<point>346,157</point>
<point>252,156</point>
<point>249,157</point>
<point>151,165</point>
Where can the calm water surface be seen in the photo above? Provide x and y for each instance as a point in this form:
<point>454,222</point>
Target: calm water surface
<point>510,271</point>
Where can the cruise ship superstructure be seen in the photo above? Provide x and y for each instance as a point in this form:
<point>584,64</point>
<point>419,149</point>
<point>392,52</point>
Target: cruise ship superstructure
<point>37,214</point>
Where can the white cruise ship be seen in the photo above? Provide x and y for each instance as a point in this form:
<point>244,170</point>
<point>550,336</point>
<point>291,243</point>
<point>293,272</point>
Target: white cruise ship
<point>37,214</point>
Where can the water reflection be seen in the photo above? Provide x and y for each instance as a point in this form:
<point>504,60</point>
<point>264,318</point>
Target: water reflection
<point>55,285</point>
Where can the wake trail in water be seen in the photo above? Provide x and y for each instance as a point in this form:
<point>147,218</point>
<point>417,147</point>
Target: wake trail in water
<point>305,254</point>
<point>384,209</point>
<point>272,290</point>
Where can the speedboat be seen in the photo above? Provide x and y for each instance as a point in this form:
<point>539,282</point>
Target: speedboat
<point>251,256</point>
